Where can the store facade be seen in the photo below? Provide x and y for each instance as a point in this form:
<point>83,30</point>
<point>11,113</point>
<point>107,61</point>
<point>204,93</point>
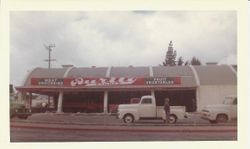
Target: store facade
<point>102,89</point>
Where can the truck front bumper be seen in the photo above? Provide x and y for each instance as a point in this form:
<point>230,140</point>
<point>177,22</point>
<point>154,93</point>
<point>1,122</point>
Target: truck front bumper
<point>206,116</point>
<point>118,115</point>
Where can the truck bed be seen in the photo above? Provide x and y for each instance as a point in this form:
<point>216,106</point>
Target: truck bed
<point>177,110</point>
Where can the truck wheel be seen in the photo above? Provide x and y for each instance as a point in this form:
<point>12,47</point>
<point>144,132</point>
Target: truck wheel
<point>212,121</point>
<point>128,118</point>
<point>172,119</point>
<point>221,118</point>
<point>23,117</point>
<point>12,116</point>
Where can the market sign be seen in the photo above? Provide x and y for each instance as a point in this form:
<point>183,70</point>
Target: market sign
<point>47,81</point>
<point>163,81</point>
<point>105,81</point>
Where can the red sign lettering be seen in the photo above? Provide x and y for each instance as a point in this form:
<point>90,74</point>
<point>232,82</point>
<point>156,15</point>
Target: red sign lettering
<point>112,81</point>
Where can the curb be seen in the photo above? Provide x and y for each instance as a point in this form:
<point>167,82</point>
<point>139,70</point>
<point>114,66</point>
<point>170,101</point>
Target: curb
<point>125,129</point>
<point>120,124</point>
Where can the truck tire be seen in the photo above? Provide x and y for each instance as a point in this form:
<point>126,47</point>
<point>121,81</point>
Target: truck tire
<point>12,116</point>
<point>221,118</point>
<point>23,117</point>
<point>128,118</point>
<point>172,119</point>
<point>213,121</point>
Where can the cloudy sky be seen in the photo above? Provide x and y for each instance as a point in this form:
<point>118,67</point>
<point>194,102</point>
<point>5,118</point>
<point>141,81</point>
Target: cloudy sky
<point>118,38</point>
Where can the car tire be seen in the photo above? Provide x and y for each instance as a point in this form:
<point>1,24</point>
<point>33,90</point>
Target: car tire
<point>172,119</point>
<point>128,118</point>
<point>221,118</point>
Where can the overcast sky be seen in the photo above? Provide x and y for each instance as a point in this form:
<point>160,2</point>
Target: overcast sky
<point>119,38</point>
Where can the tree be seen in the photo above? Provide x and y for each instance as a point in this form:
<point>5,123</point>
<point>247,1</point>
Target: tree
<point>180,61</point>
<point>170,56</point>
<point>11,89</point>
<point>195,61</point>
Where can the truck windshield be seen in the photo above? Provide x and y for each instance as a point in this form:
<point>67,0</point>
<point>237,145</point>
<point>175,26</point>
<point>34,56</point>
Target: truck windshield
<point>146,101</point>
<point>230,100</point>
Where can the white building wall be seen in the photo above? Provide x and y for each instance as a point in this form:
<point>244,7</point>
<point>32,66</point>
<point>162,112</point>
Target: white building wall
<point>214,94</point>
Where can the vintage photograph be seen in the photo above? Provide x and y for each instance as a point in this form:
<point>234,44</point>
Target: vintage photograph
<point>119,76</point>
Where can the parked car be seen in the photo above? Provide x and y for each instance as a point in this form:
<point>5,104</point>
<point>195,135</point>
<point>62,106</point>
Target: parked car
<point>19,110</point>
<point>147,109</point>
<point>221,113</point>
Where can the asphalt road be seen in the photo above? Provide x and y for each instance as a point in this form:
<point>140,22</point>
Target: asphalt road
<point>49,127</point>
<point>49,135</point>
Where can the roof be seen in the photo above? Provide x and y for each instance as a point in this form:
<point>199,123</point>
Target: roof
<point>129,72</point>
<point>185,72</point>
<point>45,73</point>
<point>191,76</point>
<point>216,75</point>
<point>88,72</point>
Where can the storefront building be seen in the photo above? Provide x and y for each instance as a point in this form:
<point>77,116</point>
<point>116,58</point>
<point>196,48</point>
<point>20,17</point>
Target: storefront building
<point>101,89</point>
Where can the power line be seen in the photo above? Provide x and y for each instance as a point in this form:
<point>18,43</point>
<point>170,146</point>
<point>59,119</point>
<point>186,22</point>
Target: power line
<point>49,48</point>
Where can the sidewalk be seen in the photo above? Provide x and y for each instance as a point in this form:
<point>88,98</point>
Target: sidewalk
<point>108,120</point>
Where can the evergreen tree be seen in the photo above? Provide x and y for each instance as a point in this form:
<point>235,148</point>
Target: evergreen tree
<point>11,89</point>
<point>195,61</point>
<point>180,61</point>
<point>186,63</point>
<point>170,56</point>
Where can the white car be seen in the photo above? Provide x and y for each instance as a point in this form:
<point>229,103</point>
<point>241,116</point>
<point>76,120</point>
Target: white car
<point>221,113</point>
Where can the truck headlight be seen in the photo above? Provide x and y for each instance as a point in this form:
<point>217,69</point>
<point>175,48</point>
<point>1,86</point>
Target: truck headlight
<point>205,112</point>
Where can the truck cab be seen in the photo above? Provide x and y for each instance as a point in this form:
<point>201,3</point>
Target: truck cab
<point>147,109</point>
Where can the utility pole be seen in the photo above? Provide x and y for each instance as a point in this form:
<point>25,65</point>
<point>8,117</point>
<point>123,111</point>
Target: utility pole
<point>49,48</point>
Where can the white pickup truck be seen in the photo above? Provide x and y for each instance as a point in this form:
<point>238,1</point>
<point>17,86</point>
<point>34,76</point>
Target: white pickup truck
<point>221,113</point>
<point>147,109</point>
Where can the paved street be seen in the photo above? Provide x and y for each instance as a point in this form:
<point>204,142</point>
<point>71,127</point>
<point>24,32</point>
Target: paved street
<point>94,127</point>
<point>48,135</point>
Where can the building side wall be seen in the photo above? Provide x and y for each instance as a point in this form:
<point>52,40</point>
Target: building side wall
<point>211,94</point>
